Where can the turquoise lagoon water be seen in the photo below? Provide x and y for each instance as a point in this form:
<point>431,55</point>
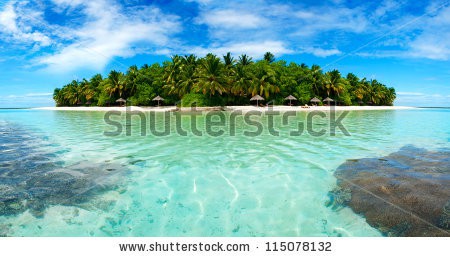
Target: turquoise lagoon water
<point>191,185</point>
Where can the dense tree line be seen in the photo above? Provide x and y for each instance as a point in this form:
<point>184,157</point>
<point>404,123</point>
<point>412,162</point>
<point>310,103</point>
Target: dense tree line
<point>223,81</point>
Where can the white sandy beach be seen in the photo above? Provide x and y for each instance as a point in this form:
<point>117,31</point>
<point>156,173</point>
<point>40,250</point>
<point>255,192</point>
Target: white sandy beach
<point>230,108</point>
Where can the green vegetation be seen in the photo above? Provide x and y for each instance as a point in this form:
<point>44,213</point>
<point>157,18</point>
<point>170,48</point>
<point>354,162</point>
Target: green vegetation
<point>214,81</point>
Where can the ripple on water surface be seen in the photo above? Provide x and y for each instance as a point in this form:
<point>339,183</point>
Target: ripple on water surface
<point>187,185</point>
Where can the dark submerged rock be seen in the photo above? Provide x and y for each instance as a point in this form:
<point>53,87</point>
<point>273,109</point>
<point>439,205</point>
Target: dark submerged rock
<point>444,219</point>
<point>71,186</point>
<point>339,197</point>
<point>32,180</point>
<point>406,193</point>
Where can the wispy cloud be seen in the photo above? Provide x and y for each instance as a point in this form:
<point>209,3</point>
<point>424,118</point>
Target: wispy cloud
<point>293,27</point>
<point>14,25</point>
<point>433,41</point>
<point>29,95</point>
<point>200,1</point>
<point>38,94</point>
<point>27,100</point>
<point>110,31</point>
<point>386,7</point>
<point>322,52</point>
<point>231,19</point>
<point>255,48</point>
<point>316,20</point>
<point>105,30</point>
<point>410,94</point>
<point>422,99</point>
<point>423,35</point>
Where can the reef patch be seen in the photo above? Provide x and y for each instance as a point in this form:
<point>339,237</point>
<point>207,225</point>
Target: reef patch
<point>406,193</point>
<point>33,177</point>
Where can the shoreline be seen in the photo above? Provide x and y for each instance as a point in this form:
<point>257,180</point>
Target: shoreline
<point>227,108</point>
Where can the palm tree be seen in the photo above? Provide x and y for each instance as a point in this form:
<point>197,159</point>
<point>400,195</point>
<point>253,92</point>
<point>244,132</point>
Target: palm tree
<point>245,60</point>
<point>132,78</point>
<point>228,60</point>
<point>334,83</point>
<point>172,75</point>
<point>316,79</point>
<point>95,83</point>
<point>189,60</point>
<point>213,75</point>
<point>87,91</point>
<point>360,90</point>
<point>187,75</point>
<point>70,93</point>
<point>391,95</point>
<point>242,81</point>
<point>115,84</point>
<point>269,57</point>
<point>264,81</point>
<point>371,94</point>
<point>58,97</point>
<point>378,93</point>
<point>210,77</point>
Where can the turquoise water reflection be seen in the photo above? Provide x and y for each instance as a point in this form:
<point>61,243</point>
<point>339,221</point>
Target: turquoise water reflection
<point>194,185</point>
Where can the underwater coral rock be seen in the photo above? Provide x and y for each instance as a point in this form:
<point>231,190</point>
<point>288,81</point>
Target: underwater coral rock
<point>406,193</point>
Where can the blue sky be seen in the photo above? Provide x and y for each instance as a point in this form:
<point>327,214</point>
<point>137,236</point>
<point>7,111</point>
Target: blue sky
<point>46,44</point>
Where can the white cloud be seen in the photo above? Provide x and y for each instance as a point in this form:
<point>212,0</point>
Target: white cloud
<point>322,52</point>
<point>386,7</point>
<point>253,48</point>
<point>421,99</point>
<point>231,19</point>
<point>27,100</point>
<point>30,95</point>
<point>424,35</point>
<point>110,31</point>
<point>15,25</point>
<point>313,21</point>
<point>202,2</point>
<point>410,93</point>
<point>38,94</point>
<point>432,42</point>
<point>292,25</point>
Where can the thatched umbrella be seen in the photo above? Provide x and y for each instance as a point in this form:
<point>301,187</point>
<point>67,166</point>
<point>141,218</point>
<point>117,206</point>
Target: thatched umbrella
<point>158,98</point>
<point>257,98</point>
<point>121,101</point>
<point>290,98</point>
<point>89,102</point>
<point>360,102</point>
<point>328,100</point>
<point>315,100</point>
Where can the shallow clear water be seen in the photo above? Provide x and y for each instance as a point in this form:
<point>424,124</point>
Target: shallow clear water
<point>174,185</point>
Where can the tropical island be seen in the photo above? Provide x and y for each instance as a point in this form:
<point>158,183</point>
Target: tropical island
<point>214,81</point>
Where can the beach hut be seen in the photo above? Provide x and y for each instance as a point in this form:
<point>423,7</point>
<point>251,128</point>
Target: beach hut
<point>121,101</point>
<point>315,100</point>
<point>158,98</point>
<point>328,100</point>
<point>257,98</point>
<point>290,98</point>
